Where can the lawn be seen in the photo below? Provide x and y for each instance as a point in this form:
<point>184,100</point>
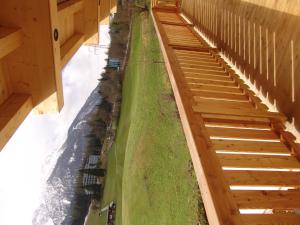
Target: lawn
<point>149,172</point>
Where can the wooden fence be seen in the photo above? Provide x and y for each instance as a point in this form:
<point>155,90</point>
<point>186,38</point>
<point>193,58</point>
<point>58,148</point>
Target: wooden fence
<point>262,38</point>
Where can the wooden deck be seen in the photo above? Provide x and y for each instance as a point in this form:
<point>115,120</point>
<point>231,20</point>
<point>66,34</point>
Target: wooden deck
<point>247,165</point>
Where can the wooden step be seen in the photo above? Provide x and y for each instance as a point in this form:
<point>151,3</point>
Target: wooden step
<point>189,52</point>
<point>223,104</point>
<point>280,200</point>
<point>263,178</point>
<point>219,132</point>
<point>208,76</point>
<point>191,58</point>
<point>69,48</point>
<point>194,54</point>
<point>249,147</point>
<point>235,119</point>
<point>272,219</point>
<point>220,96</point>
<point>205,71</point>
<point>224,110</point>
<point>259,162</point>
<point>241,125</point>
<point>169,17</point>
<point>200,63</point>
<point>214,88</point>
<point>211,82</point>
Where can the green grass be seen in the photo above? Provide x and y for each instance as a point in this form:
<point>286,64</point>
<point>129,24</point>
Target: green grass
<point>149,173</point>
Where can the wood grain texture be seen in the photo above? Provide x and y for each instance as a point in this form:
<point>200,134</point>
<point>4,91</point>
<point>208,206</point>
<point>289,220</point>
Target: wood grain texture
<point>31,68</point>
<point>280,219</point>
<point>243,158</point>
<point>12,113</point>
<point>266,50</point>
<point>10,39</point>
<point>70,47</point>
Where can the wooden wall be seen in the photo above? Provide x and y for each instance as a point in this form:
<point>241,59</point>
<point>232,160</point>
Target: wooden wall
<point>37,38</point>
<point>263,38</point>
<point>30,68</point>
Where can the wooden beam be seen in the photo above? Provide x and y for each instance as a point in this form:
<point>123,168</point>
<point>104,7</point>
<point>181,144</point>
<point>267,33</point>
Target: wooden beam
<point>70,7</point>
<point>10,39</point>
<point>54,20</point>
<point>12,113</point>
<point>69,48</point>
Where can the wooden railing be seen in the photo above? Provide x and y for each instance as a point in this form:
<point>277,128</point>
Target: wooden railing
<point>247,166</point>
<point>262,38</point>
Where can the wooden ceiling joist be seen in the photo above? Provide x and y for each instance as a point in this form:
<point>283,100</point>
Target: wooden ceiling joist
<point>10,40</point>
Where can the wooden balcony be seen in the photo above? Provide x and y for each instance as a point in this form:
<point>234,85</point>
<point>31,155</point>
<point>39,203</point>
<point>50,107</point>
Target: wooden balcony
<point>35,44</point>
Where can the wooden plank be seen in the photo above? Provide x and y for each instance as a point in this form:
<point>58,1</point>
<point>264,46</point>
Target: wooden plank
<point>252,126</point>
<point>259,162</point>
<point>190,58</point>
<point>184,52</point>
<point>236,112</point>
<point>280,200</point>
<point>220,132</point>
<point>170,17</point>
<point>214,89</point>
<point>10,40</point>
<point>200,63</point>
<point>199,66</point>
<point>235,119</point>
<point>199,60</point>
<point>12,113</point>
<point>199,55</point>
<point>211,82</point>
<point>263,178</point>
<point>69,8</point>
<point>272,219</point>
<point>180,23</point>
<point>221,96</point>
<point>70,47</point>
<point>207,71</point>
<point>219,104</point>
<point>208,76</point>
<point>249,147</point>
